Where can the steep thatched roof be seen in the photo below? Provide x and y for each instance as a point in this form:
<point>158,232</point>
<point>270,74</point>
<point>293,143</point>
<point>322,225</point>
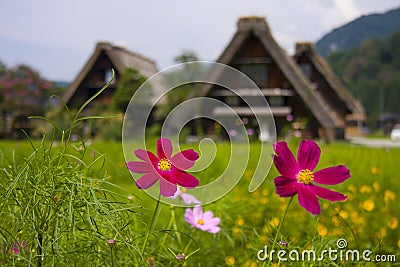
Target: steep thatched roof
<point>120,58</point>
<point>325,71</point>
<point>258,27</point>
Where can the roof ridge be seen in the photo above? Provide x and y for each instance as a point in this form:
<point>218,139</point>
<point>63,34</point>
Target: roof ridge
<point>109,45</point>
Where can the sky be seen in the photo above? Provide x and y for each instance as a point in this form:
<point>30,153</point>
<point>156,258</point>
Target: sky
<point>57,37</point>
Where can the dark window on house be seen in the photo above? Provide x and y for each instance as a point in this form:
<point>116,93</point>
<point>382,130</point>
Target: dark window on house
<point>276,101</point>
<point>258,72</point>
<point>108,76</point>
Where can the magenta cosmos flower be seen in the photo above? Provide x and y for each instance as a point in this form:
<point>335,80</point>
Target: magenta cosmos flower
<point>168,169</point>
<point>203,221</point>
<point>298,177</point>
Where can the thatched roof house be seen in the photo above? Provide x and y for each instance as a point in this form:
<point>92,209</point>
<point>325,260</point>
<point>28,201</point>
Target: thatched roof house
<point>323,101</point>
<point>97,71</point>
<point>329,87</point>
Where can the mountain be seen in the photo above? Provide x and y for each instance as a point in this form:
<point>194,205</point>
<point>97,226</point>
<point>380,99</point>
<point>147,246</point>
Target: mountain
<point>350,35</point>
<point>371,72</point>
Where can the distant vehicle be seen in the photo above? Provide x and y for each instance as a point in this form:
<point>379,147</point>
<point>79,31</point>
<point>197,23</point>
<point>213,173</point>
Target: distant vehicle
<point>395,134</point>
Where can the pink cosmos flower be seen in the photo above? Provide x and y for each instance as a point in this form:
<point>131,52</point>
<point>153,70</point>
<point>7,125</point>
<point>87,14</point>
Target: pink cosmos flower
<point>187,198</point>
<point>203,221</point>
<point>16,246</point>
<point>168,169</point>
<point>298,177</point>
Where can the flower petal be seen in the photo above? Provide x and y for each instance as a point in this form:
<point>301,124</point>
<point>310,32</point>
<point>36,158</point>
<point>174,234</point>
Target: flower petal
<point>140,167</point>
<point>189,199</point>
<point>285,187</point>
<point>208,215</point>
<point>189,217</point>
<point>183,179</point>
<point>146,155</point>
<point>164,148</point>
<point>332,175</point>
<point>308,199</point>
<point>308,155</point>
<point>284,160</point>
<point>147,180</point>
<point>176,194</point>
<point>167,189</point>
<point>214,229</point>
<point>185,159</point>
<point>328,194</point>
<point>198,212</point>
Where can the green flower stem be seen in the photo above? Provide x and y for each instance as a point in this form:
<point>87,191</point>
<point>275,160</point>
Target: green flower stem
<point>279,230</point>
<point>151,224</point>
<point>112,256</point>
<point>188,246</point>
<point>171,221</point>
<point>178,236</point>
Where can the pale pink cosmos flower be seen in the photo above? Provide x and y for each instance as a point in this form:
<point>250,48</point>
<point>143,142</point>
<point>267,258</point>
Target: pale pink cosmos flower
<point>187,198</point>
<point>298,177</point>
<point>168,169</point>
<point>203,221</point>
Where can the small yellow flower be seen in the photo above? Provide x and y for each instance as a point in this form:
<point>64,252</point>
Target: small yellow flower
<point>381,233</point>
<point>266,229</point>
<point>239,221</point>
<point>389,197</point>
<point>274,222</point>
<point>236,232</point>
<point>335,221</point>
<point>249,173</point>
<point>344,214</point>
<point>375,170</point>
<point>368,205</point>
<point>393,223</point>
<point>265,192</point>
<point>366,189</point>
<point>352,188</point>
<point>376,186</point>
<point>230,260</point>
<point>264,200</point>
<point>337,231</point>
<point>250,264</point>
<point>398,243</point>
<point>322,230</point>
<point>264,238</point>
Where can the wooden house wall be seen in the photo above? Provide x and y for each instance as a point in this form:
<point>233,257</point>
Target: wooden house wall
<point>94,81</point>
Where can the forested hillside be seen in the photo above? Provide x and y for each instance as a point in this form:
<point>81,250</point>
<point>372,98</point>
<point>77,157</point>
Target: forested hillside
<point>372,73</point>
<point>352,34</point>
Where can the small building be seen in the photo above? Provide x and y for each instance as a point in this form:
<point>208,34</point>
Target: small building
<point>325,82</point>
<point>98,71</point>
<point>301,89</point>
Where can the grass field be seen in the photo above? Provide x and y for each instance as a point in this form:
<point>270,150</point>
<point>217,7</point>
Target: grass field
<point>367,220</point>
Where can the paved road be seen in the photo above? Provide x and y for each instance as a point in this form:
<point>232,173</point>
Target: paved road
<point>371,142</point>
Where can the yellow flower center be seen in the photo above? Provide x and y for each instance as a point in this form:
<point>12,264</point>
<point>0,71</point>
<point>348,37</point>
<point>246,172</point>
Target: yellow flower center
<point>305,176</point>
<point>164,164</point>
<point>200,221</point>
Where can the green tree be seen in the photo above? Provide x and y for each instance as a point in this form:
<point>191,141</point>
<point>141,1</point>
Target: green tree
<point>371,73</point>
<point>129,83</point>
